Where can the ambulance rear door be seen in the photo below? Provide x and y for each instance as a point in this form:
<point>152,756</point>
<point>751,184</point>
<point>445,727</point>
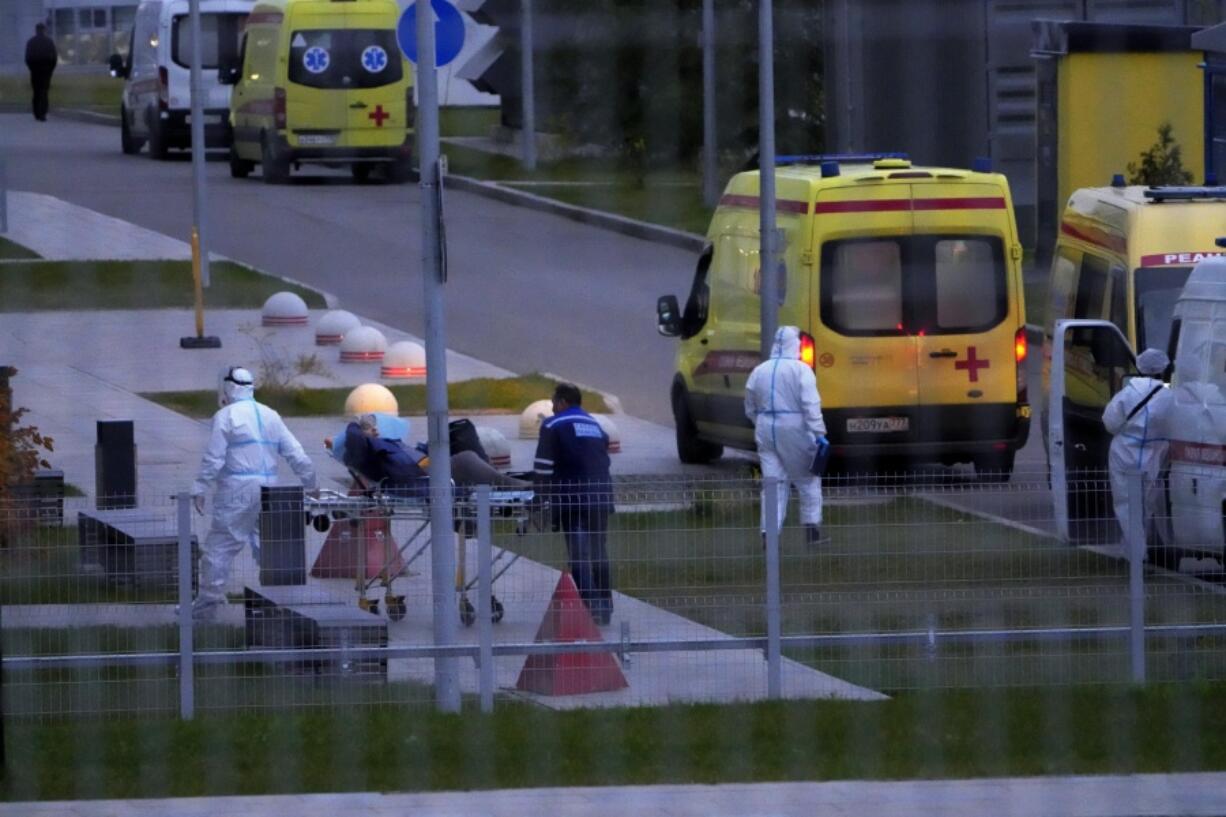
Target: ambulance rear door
<point>866,354</point>
<point>1089,363</point>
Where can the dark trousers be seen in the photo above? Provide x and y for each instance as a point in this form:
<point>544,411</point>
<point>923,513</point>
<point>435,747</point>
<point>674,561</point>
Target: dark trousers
<point>40,84</point>
<point>586,531</point>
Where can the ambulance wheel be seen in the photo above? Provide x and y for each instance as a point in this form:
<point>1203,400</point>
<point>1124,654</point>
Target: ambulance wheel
<point>691,450</point>
<point>396,608</point>
<point>157,139</point>
<point>360,171</point>
<point>497,611</point>
<point>130,144</point>
<point>239,168</point>
<point>275,169</point>
<point>468,613</point>
<point>400,171</point>
<point>994,468</point>
<point>1167,558</point>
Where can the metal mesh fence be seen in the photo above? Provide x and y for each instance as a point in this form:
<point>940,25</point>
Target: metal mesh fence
<point>918,580</point>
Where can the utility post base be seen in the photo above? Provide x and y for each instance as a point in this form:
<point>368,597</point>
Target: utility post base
<point>200,342</point>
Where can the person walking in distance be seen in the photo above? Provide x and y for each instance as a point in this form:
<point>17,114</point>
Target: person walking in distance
<point>782,402</point>
<point>572,468</point>
<point>41,58</point>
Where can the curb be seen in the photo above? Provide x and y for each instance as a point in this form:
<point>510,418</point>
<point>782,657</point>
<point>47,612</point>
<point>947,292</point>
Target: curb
<point>612,400</point>
<point>91,117</point>
<point>596,218</point>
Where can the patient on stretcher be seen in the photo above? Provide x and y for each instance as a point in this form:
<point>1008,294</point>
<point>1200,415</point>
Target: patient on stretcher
<point>374,449</point>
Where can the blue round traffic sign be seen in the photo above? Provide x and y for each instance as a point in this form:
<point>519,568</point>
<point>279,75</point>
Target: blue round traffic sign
<point>448,32</point>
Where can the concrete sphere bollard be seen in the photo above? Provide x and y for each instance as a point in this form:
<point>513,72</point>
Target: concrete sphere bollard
<point>369,398</point>
<point>404,359</point>
<point>611,429</point>
<point>363,344</point>
<point>531,418</point>
<point>284,309</point>
<point>332,327</point>
<point>496,446</point>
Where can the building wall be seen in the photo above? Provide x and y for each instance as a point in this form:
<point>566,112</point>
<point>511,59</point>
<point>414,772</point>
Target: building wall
<point>17,21</point>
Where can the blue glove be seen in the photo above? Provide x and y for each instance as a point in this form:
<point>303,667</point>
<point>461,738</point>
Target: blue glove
<point>822,443</point>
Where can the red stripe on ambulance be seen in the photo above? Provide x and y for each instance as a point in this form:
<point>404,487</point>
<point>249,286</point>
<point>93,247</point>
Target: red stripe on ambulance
<point>908,205</point>
<point>1198,453</point>
<point>1182,259</point>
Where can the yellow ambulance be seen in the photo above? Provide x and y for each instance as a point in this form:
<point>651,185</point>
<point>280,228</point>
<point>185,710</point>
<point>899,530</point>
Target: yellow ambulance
<point>321,82</point>
<point>1122,257</point>
<point>906,282</point>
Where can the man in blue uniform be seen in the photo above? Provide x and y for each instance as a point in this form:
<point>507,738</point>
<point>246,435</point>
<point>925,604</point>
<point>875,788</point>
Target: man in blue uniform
<point>572,468</point>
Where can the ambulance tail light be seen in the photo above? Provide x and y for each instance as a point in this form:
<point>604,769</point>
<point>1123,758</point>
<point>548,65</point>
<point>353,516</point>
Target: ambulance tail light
<point>163,88</point>
<point>808,350</point>
<point>279,117</point>
<point>1021,347</point>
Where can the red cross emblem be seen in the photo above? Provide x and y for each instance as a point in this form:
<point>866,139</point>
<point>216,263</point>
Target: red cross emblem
<point>972,364</point>
<point>378,114</point>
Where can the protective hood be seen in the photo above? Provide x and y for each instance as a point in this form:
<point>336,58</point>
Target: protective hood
<point>391,427</point>
<point>1152,362</point>
<point>233,384</point>
<point>787,343</point>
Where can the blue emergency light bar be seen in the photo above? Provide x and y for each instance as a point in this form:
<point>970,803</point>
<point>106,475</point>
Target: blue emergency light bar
<point>841,158</point>
<point>1160,194</point>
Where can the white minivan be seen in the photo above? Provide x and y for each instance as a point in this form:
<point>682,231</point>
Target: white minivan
<point>156,106</point>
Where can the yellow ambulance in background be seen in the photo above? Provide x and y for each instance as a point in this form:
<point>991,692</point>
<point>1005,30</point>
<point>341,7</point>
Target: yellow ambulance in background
<point>906,282</point>
<point>321,82</point>
<point>1122,258</point>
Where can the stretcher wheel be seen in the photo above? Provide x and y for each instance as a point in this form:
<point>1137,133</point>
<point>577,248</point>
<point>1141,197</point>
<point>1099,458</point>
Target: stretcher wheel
<point>468,613</point>
<point>496,609</point>
<point>396,608</point>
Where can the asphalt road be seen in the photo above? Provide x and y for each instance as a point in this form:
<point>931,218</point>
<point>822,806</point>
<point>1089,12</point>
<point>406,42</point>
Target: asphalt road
<point>526,291</point>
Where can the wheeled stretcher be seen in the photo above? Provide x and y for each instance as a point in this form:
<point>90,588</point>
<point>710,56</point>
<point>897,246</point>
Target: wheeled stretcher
<point>370,511</point>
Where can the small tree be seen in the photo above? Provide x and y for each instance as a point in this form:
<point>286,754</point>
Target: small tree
<point>22,450</point>
<point>1162,163</point>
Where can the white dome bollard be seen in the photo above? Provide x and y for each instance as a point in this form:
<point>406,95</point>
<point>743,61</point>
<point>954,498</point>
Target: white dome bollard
<point>369,398</point>
<point>531,418</point>
<point>404,359</point>
<point>332,327</point>
<point>496,446</point>
<point>611,429</point>
<point>364,344</point>
<point>284,309</point>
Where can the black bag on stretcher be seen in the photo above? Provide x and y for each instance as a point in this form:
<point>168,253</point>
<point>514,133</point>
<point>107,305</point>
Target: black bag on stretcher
<point>463,436</point>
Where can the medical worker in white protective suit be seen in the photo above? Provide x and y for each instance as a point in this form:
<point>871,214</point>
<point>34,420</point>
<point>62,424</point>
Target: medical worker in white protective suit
<point>782,402</point>
<point>1137,416</point>
<point>246,440</point>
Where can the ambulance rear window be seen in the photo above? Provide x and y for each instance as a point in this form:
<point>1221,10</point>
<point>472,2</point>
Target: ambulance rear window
<point>930,284</point>
<point>344,58</point>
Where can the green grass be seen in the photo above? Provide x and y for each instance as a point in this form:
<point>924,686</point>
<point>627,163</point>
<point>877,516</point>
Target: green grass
<point>97,92</point>
<point>509,394</point>
<point>50,285</point>
<point>669,197</point>
<point>409,747</point>
<point>467,121</point>
<point>12,251</point>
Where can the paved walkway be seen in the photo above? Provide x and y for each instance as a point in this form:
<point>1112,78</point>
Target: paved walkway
<point>1187,795</point>
<point>60,231</point>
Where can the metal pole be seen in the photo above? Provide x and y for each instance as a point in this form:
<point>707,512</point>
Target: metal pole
<point>710,180</point>
<point>529,83</point>
<point>485,599</point>
<point>768,264</point>
<point>199,210</point>
<point>4,192</point>
<point>442,556</point>
<point>770,508</point>
<point>1134,539</point>
<point>187,698</point>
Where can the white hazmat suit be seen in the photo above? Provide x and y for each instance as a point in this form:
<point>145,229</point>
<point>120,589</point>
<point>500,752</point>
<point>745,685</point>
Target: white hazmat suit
<point>1140,440</point>
<point>782,402</point>
<point>246,440</point>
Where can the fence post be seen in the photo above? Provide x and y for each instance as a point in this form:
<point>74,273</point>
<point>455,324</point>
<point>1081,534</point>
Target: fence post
<point>4,194</point>
<point>1135,541</point>
<point>187,700</point>
<point>770,515</point>
<point>485,600</point>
